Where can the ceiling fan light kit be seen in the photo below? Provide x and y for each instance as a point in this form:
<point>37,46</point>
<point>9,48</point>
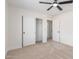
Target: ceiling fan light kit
<point>56,4</point>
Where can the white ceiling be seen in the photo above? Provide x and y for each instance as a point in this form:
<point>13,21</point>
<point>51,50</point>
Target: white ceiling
<point>35,6</point>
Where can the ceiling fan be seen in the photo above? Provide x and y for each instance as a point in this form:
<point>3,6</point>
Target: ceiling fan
<point>56,4</point>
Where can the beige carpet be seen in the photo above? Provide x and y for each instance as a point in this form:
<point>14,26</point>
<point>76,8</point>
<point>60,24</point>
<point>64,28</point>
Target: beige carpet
<point>49,50</point>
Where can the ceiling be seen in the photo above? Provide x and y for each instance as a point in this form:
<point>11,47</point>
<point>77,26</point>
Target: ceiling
<point>35,6</point>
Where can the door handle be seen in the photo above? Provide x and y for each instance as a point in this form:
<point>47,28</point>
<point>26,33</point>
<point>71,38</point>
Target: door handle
<point>23,32</point>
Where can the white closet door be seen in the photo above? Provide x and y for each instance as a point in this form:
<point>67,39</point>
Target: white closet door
<point>29,30</point>
<point>56,30</point>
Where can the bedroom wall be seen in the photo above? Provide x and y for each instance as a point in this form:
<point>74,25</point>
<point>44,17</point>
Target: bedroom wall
<point>15,24</point>
<point>66,27</point>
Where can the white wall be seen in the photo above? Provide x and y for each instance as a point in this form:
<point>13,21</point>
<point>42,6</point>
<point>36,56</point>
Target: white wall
<point>14,28</point>
<point>15,24</point>
<point>66,27</point>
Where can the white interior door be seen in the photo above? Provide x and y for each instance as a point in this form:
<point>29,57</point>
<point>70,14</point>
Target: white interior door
<point>29,30</point>
<point>38,30</point>
<point>56,30</point>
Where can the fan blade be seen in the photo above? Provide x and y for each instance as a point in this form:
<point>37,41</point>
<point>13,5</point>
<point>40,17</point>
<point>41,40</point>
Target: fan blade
<point>65,2</point>
<point>45,2</point>
<point>59,8</point>
<point>49,8</point>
